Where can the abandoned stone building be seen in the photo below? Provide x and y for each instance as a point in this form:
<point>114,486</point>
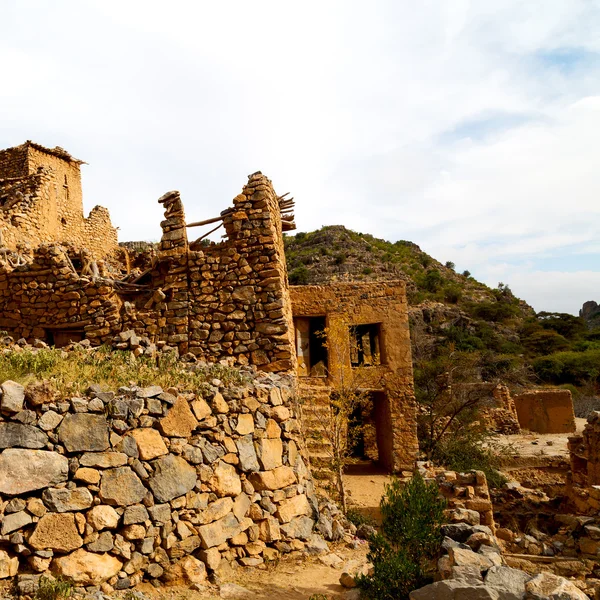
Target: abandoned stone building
<point>228,300</point>
<point>41,201</point>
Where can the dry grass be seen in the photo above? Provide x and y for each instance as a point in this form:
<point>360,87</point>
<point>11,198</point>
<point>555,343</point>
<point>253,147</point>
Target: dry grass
<point>73,372</point>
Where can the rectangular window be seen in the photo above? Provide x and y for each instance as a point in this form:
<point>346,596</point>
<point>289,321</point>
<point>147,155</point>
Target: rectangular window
<point>365,345</point>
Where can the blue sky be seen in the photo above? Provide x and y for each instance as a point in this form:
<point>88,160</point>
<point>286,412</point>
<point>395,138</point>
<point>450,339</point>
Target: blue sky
<point>467,127</point>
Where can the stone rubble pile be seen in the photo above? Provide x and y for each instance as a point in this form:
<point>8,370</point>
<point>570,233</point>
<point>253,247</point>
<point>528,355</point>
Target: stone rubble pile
<point>145,483</point>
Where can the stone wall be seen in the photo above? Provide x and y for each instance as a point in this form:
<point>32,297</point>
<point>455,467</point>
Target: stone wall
<point>546,411</point>
<point>41,202</point>
<point>584,476</point>
<point>146,483</point>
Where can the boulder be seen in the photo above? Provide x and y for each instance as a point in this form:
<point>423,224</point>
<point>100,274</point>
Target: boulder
<point>453,589</point>
<point>65,500</point>
<point>298,528</point>
<point>180,421</point>
<point>508,582</point>
<point>13,396</point>
<point>121,487</point>
<point>15,435</point>
<point>293,507</point>
<point>14,521</point>
<point>84,432</point>
<point>547,586</point>
<point>149,442</point>
<point>27,470</point>
<point>219,532</point>
<point>273,480</point>
<point>226,481</point>
<point>103,460</point>
<point>103,517</point>
<point>270,453</point>
<point>56,531</point>
<point>173,477</point>
<point>50,420</point>
<point>247,454</point>
<point>87,568</point>
<point>185,571</point>
<point>9,565</point>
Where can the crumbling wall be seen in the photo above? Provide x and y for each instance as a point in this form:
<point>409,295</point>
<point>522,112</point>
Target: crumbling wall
<point>546,411</point>
<point>48,295</point>
<point>41,202</point>
<point>154,484</point>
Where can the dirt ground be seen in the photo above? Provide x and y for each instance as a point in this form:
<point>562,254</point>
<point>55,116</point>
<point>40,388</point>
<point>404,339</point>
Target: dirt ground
<point>289,579</point>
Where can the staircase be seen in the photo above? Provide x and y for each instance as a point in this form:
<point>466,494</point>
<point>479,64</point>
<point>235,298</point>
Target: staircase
<point>315,410</point>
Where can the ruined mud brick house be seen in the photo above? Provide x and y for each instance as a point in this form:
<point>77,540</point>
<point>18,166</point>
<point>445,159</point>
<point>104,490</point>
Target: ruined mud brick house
<point>41,201</point>
<point>356,334</point>
<point>229,300</point>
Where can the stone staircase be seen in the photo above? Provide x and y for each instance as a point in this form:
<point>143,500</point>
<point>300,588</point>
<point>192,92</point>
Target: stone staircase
<point>315,409</point>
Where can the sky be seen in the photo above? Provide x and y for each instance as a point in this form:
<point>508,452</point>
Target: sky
<point>471,128</point>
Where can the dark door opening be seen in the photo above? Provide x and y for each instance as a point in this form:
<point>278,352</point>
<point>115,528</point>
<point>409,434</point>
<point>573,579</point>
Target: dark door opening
<point>311,346</point>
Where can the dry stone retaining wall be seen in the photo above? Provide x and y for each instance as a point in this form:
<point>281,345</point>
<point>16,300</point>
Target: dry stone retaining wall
<point>115,487</point>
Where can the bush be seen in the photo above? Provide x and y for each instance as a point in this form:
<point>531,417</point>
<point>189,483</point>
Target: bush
<point>450,265</point>
<point>410,538</point>
<point>357,518</point>
<point>299,276</point>
<point>465,451</point>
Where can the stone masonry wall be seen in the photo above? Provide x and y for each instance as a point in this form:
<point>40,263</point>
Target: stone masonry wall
<point>546,411</point>
<point>584,475</point>
<point>145,483</point>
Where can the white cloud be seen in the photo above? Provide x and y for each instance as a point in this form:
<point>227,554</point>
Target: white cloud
<point>466,127</point>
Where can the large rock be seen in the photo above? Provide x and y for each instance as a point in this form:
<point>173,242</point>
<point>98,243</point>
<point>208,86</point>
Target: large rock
<point>225,480</point>
<point>9,565</point>
<point>27,470</point>
<point>21,436</point>
<point>547,586</point>
<point>84,432</point>
<point>103,517</point>
<point>216,510</point>
<point>452,589</point>
<point>87,568</point>
<point>273,480</point>
<point>509,582</point>
<point>149,442</point>
<point>219,532</point>
<point>173,477</point>
<point>103,460</point>
<point>293,507</point>
<point>180,421</point>
<point>121,487</point>
<point>15,521</point>
<point>300,527</point>
<point>65,500</point>
<point>270,453</point>
<point>461,557</point>
<point>185,571</point>
<point>247,454</point>
<point>13,395</point>
<point>56,531</point>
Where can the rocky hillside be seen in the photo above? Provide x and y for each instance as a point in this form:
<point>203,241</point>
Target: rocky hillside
<point>590,313</point>
<point>453,312</point>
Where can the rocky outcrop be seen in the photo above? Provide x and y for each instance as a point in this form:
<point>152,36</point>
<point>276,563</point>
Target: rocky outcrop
<point>590,313</point>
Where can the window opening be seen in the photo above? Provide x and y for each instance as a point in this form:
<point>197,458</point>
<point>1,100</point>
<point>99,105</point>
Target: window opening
<point>311,346</point>
<point>365,347</point>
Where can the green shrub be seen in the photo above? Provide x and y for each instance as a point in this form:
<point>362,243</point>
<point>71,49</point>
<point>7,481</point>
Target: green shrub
<point>410,538</point>
<point>367,271</point>
<point>51,588</point>
<point>299,276</point>
<point>465,451</point>
<point>355,516</point>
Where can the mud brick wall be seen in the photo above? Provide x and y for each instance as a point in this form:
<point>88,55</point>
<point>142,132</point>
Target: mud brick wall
<point>146,483</point>
<point>348,304</point>
<point>546,411</point>
<point>41,201</point>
